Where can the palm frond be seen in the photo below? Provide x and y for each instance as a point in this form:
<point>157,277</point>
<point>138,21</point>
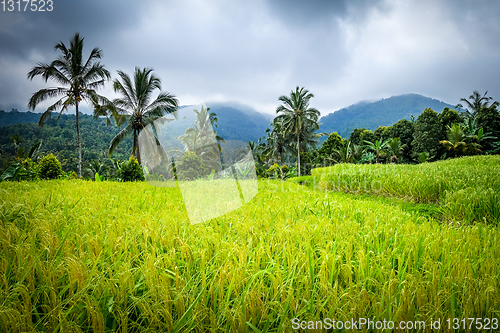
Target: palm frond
<point>44,94</point>
<point>126,89</point>
<point>118,138</point>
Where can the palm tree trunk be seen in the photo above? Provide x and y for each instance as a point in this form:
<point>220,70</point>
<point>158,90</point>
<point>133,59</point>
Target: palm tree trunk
<point>138,152</point>
<point>298,153</point>
<point>135,149</point>
<point>79,142</point>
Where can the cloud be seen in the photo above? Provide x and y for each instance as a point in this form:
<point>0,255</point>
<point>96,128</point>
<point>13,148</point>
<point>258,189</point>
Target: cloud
<point>253,52</point>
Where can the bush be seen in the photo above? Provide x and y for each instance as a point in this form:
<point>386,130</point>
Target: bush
<point>49,167</point>
<point>31,171</point>
<point>281,172</point>
<point>131,171</point>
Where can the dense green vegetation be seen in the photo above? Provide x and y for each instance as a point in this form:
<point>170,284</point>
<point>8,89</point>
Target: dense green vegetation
<point>59,137</point>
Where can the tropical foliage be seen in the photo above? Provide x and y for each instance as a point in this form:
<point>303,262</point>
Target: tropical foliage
<point>49,167</point>
<point>297,118</point>
<point>130,171</point>
<point>135,107</point>
<point>79,79</point>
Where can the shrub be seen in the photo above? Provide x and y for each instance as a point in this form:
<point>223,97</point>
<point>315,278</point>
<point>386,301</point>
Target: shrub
<point>131,171</point>
<point>49,167</point>
<point>281,172</point>
<point>31,171</point>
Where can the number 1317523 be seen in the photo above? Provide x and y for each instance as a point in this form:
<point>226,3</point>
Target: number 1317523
<point>27,5</point>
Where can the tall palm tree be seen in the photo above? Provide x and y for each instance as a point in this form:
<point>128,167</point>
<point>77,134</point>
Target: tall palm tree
<point>202,139</point>
<point>296,116</point>
<point>80,80</point>
<point>476,102</point>
<point>277,144</point>
<point>135,107</point>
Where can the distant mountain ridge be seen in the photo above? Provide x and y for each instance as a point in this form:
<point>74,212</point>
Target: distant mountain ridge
<point>241,122</point>
<point>385,112</point>
<point>236,122</point>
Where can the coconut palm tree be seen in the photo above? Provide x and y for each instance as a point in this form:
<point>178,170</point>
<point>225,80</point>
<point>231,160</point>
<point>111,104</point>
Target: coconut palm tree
<point>202,139</point>
<point>277,144</point>
<point>296,116</point>
<point>475,103</point>
<point>356,152</point>
<point>135,107</point>
<point>79,78</point>
<point>343,154</point>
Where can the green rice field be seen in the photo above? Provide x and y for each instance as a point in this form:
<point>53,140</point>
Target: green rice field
<point>81,256</point>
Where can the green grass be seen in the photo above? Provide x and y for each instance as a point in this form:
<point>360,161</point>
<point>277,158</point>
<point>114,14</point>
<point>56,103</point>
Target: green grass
<point>87,256</point>
<point>466,189</point>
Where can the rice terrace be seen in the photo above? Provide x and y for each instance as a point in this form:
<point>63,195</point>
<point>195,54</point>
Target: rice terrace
<point>128,208</point>
<point>125,258</point>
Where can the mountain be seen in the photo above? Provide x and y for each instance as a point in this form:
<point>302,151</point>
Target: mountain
<point>239,123</point>
<point>236,121</point>
<point>385,112</point>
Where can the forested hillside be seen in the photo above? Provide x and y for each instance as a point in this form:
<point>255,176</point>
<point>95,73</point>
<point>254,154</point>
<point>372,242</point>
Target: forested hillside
<point>385,112</point>
<point>59,138</point>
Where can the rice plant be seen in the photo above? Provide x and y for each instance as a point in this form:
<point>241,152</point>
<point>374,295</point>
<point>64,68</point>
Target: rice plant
<point>80,256</point>
<point>467,189</point>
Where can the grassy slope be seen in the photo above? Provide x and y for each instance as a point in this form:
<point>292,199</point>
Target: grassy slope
<point>123,256</point>
<point>467,189</point>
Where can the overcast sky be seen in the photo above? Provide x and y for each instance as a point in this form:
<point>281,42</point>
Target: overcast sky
<point>254,51</point>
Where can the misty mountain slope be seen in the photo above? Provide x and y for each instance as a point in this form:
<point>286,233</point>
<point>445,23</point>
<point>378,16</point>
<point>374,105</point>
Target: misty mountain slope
<point>234,124</point>
<point>385,112</point>
<point>238,125</point>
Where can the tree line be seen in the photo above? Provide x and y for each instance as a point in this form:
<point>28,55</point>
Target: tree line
<point>471,128</point>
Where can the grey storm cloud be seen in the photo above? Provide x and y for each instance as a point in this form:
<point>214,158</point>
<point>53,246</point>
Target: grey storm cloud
<point>253,52</point>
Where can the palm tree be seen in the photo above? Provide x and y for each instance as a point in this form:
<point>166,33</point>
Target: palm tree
<point>378,147</point>
<point>476,103</point>
<point>356,152</point>
<point>202,139</point>
<point>456,138</point>
<point>343,154</point>
<point>277,144</point>
<point>395,148</point>
<point>135,108</point>
<point>95,166</point>
<point>80,80</point>
<point>296,116</point>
